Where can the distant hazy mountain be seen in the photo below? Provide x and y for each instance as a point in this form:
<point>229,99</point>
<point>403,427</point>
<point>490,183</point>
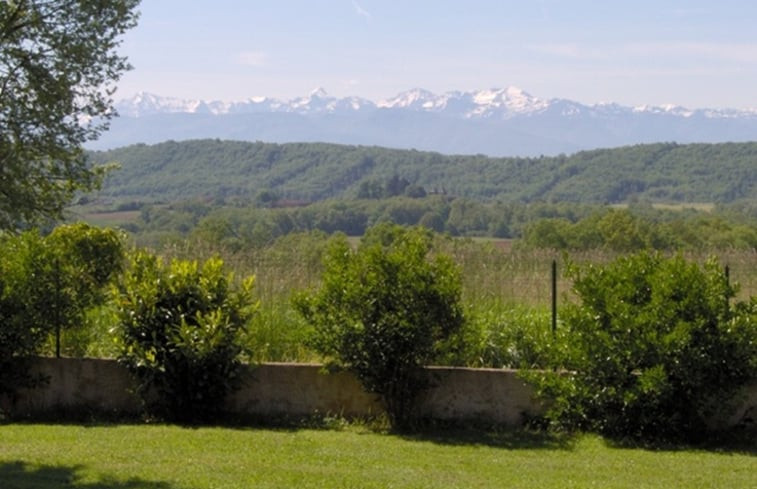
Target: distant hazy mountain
<point>498,122</point>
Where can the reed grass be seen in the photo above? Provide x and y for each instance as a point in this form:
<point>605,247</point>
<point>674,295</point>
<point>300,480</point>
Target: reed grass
<point>506,292</point>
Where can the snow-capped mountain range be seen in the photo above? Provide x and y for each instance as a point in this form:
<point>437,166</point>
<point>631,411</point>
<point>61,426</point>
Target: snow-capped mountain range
<point>506,121</point>
<point>503,103</point>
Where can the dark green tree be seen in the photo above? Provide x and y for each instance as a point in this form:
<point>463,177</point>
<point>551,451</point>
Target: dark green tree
<point>22,329</point>
<point>58,67</point>
<point>370,189</point>
<point>384,311</point>
<point>395,186</point>
<point>47,284</point>
<point>79,262</point>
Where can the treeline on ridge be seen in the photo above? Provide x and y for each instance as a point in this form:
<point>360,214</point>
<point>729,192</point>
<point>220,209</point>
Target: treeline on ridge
<point>566,226</point>
<point>296,173</point>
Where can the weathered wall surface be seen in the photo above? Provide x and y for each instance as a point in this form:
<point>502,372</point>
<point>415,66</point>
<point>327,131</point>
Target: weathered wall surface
<point>291,389</point>
<point>300,390</point>
<point>80,383</point>
<point>490,396</point>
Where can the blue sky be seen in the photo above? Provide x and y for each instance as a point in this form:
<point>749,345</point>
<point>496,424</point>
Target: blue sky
<point>691,53</point>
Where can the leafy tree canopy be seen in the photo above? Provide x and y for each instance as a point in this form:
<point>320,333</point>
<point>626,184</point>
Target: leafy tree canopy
<point>47,283</point>
<point>58,67</point>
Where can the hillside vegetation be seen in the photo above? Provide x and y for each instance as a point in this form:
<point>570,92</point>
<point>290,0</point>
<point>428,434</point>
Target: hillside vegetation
<point>308,172</point>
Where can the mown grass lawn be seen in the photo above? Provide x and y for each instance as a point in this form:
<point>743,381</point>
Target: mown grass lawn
<point>169,457</point>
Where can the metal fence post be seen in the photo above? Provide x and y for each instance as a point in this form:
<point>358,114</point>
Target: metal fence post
<point>728,286</point>
<point>554,297</point>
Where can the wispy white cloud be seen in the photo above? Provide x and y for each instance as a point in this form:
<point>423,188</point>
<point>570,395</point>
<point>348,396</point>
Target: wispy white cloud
<point>252,58</point>
<point>360,10</point>
<point>685,50</point>
<point>692,11</point>
<point>563,50</point>
<point>543,10</point>
<point>730,52</point>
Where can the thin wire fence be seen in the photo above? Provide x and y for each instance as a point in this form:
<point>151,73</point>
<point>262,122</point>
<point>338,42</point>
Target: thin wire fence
<point>499,286</point>
<point>490,273</point>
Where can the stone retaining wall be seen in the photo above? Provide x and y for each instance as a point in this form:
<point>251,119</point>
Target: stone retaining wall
<point>490,396</point>
<point>277,389</point>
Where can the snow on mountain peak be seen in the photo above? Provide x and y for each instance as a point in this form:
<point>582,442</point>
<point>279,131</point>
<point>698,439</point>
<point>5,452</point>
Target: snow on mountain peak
<point>667,109</point>
<point>144,103</point>
<point>502,103</point>
<point>416,98</point>
<point>507,101</point>
<point>319,92</point>
<point>483,103</point>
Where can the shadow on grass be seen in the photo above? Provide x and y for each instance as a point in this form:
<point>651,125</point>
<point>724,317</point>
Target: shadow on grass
<point>738,443</point>
<point>528,439</point>
<point>495,437</point>
<point>21,475</point>
<point>434,431</point>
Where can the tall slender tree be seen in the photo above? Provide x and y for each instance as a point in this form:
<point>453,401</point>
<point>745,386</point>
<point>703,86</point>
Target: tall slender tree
<point>58,69</point>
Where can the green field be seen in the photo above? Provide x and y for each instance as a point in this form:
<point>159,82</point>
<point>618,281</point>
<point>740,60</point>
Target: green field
<point>168,457</point>
<point>697,206</point>
<point>102,218</point>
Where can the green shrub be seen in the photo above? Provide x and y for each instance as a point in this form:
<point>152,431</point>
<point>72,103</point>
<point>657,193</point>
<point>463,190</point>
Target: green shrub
<point>654,350</point>
<point>48,284</point>
<point>384,311</point>
<point>503,336</point>
<point>21,330</point>
<point>181,327</point>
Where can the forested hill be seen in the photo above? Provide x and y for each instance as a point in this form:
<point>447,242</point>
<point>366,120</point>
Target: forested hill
<point>306,172</point>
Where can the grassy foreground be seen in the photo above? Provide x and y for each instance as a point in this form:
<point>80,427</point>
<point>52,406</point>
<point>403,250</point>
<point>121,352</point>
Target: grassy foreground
<point>168,457</point>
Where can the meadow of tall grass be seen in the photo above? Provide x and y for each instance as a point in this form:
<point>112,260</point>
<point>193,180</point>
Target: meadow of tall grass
<point>507,295</point>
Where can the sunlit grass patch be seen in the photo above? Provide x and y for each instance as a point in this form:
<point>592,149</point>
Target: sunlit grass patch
<point>152,457</point>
